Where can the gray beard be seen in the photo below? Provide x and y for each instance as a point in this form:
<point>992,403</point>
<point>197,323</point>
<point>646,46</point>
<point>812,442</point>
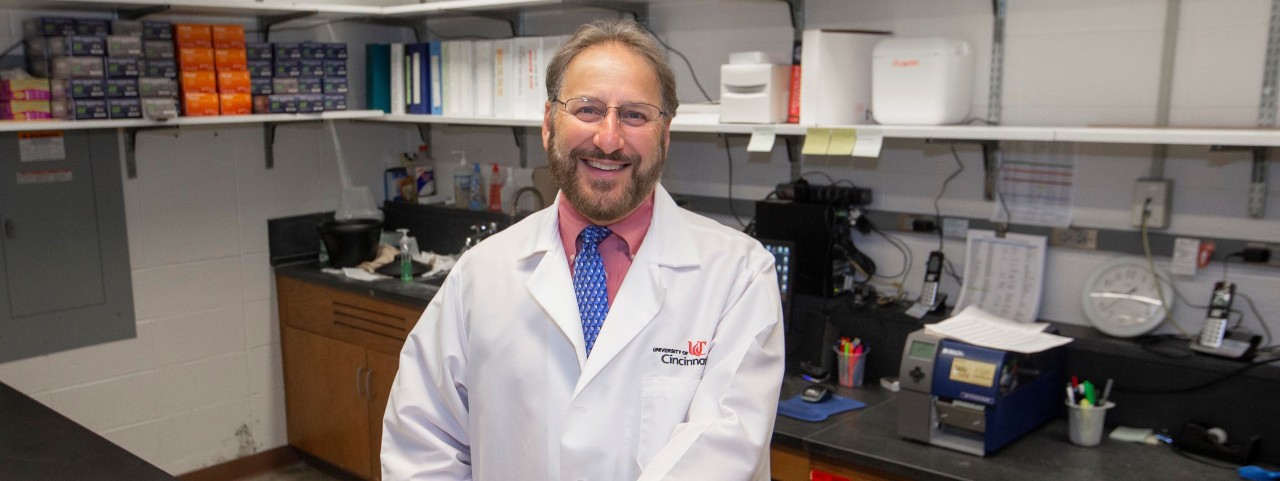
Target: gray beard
<point>565,168</point>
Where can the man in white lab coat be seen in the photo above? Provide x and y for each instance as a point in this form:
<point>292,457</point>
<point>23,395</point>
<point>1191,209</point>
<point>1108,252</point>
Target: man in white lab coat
<point>511,374</point>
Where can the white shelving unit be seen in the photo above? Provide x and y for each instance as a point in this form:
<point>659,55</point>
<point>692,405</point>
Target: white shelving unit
<point>19,126</point>
<point>1105,135</point>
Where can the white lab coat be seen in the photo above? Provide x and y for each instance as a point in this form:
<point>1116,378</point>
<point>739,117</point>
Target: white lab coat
<point>494,383</point>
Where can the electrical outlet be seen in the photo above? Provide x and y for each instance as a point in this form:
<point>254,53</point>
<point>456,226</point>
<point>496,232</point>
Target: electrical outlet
<point>1075,237</point>
<point>1159,192</point>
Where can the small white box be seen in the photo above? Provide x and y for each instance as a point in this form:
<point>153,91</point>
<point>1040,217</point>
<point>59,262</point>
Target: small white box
<point>921,81</point>
<point>753,93</point>
<point>835,76</point>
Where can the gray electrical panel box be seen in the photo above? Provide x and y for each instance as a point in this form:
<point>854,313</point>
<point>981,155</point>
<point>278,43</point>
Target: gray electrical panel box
<point>64,252</point>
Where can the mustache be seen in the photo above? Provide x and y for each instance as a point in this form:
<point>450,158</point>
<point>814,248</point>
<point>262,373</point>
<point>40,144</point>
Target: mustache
<point>596,153</point>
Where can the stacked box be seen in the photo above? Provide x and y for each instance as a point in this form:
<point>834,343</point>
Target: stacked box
<point>334,84</point>
<point>197,79</point>
<point>25,99</point>
<point>158,91</point>
<point>259,60</point>
<point>125,68</point>
<point>73,53</point>
<point>231,64</point>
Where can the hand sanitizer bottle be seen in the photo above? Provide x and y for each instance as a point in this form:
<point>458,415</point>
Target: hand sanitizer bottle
<point>406,256</point>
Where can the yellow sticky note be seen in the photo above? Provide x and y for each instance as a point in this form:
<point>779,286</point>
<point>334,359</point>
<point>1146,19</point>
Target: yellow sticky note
<point>816,141</point>
<point>842,141</point>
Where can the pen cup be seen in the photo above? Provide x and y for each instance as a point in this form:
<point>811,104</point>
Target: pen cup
<point>1085,424</point>
<point>851,366</point>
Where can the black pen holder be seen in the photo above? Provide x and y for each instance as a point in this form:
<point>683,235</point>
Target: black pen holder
<point>1195,439</point>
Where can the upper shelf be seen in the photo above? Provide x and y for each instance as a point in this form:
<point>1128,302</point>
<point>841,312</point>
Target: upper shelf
<point>1101,135</point>
<point>1104,135</point>
<point>7,126</point>
<point>284,7</point>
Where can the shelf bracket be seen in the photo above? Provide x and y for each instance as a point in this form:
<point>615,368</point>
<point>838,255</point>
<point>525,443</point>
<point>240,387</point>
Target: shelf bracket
<point>137,13</point>
<point>1257,178</point>
<point>265,22</point>
<point>131,148</point>
<point>419,27</point>
<point>639,10</point>
<point>796,8</point>
<point>990,162</point>
<point>794,157</point>
<point>269,143</point>
<point>424,133</point>
<point>521,144</point>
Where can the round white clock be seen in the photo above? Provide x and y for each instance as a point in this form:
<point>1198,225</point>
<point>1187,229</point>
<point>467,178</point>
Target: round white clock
<point>1122,298</point>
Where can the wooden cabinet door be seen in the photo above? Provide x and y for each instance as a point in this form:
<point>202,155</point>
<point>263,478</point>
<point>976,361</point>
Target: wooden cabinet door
<point>325,398</point>
<point>382,372</point>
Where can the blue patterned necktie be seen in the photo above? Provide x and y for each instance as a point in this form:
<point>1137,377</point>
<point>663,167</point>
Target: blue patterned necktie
<point>589,283</point>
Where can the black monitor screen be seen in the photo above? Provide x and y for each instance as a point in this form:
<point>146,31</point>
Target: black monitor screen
<point>784,262</point>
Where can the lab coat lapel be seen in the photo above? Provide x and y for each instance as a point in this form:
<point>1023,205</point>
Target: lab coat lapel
<point>551,285</point>
<point>667,244</point>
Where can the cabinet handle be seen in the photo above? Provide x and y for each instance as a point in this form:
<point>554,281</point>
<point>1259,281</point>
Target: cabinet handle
<point>8,228</point>
<point>359,377</point>
<point>368,389</point>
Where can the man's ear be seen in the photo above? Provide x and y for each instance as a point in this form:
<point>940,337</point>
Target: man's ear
<point>546,125</point>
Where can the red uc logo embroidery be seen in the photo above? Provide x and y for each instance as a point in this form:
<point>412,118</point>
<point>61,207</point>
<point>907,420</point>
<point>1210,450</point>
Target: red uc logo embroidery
<point>696,347</point>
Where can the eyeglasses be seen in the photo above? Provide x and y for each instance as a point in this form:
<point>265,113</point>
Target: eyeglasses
<point>592,111</point>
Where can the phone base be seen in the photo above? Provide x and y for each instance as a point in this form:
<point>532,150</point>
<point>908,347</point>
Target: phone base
<point>1235,345</point>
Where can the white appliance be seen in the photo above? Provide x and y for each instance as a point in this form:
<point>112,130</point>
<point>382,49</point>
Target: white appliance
<point>835,76</point>
<point>921,81</point>
<point>752,90</point>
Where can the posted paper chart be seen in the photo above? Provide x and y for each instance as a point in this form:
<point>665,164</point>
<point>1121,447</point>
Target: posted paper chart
<point>1003,276</point>
<point>1036,183</point>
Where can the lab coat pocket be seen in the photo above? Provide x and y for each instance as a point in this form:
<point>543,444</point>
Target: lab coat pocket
<point>664,403</point>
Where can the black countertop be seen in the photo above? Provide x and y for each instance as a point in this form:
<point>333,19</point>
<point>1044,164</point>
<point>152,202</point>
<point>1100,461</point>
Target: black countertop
<point>417,293</point>
<point>868,436</point>
<point>38,443</point>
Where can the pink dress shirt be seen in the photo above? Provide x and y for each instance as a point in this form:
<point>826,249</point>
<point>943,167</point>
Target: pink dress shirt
<point>617,250</point>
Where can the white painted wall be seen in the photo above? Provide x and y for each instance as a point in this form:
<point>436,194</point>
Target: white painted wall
<point>201,383</point>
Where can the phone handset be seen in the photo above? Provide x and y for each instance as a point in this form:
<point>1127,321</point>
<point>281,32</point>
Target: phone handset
<point>1215,323</point>
<point>929,295</point>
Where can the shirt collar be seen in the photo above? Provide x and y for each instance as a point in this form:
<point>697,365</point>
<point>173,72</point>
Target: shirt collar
<point>631,229</point>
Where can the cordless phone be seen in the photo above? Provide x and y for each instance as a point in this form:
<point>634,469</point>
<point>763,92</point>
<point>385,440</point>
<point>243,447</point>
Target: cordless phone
<point>932,275</point>
<point>1215,323</point>
<point>1214,338</point>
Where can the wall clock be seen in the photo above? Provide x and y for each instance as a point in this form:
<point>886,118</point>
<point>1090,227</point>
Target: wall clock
<point>1122,298</point>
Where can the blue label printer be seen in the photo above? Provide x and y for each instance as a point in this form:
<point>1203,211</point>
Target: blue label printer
<point>975,399</point>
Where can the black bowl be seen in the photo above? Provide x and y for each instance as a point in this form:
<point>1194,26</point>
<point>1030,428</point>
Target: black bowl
<point>350,242</point>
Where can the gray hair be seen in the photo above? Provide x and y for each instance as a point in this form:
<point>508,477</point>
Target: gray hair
<point>626,33</point>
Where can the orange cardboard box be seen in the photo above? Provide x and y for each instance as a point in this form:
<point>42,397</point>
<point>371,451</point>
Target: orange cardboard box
<point>192,35</point>
<point>230,59</point>
<point>199,105</point>
<point>234,82</point>
<point>195,58</point>
<point>227,36</point>
<point>198,82</point>
<point>236,104</point>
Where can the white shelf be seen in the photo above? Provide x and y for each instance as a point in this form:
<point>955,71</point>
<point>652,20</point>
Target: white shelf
<point>21,126</point>
<point>1170,136</point>
<point>1101,135</point>
<point>441,119</point>
<point>270,7</point>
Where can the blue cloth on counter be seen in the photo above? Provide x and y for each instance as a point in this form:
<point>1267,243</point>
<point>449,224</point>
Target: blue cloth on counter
<point>1257,473</point>
<point>814,412</point>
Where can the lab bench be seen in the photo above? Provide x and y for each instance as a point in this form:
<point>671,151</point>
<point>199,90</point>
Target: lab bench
<point>861,444</point>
